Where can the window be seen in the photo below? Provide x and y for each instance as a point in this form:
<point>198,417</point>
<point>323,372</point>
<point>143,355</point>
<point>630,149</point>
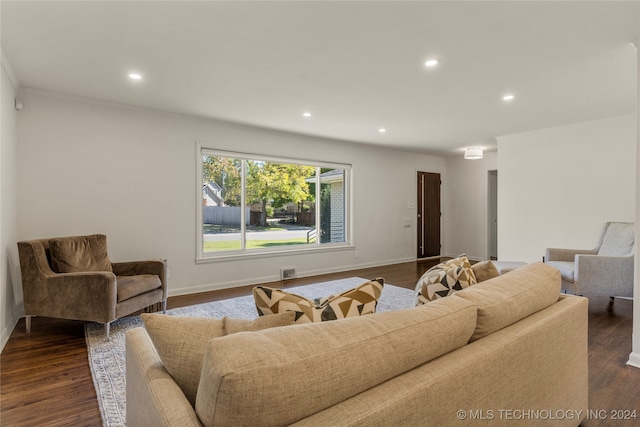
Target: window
<point>254,205</point>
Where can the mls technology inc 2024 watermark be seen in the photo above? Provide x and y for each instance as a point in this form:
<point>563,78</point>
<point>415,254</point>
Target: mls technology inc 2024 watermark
<point>546,414</point>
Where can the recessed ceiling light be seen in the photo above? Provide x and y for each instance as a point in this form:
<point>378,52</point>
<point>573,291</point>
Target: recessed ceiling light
<point>382,130</point>
<point>306,114</point>
<point>508,97</point>
<point>135,76</point>
<point>431,63</point>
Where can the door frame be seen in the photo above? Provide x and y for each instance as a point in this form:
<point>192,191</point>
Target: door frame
<point>492,205</point>
<point>420,217</point>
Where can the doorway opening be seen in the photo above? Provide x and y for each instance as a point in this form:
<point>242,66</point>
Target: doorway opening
<point>493,214</point>
<point>428,214</point>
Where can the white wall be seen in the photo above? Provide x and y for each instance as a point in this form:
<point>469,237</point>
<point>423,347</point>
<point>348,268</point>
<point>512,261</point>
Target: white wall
<point>558,186</point>
<point>91,167</point>
<point>466,207</point>
<point>10,291</point>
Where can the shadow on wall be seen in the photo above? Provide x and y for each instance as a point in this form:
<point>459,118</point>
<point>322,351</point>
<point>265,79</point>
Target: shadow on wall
<point>15,299</point>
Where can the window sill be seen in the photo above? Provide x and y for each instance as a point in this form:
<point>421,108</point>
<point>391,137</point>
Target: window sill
<point>273,253</point>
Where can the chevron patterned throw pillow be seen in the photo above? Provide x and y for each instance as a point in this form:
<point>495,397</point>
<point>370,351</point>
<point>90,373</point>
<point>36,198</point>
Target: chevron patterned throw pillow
<point>358,301</point>
<point>445,279</point>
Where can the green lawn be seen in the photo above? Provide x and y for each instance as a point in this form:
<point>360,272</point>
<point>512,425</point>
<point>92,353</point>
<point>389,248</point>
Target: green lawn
<point>251,244</point>
<point>216,229</point>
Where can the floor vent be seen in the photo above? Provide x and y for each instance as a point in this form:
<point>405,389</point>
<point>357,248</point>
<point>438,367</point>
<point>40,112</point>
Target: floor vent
<point>288,273</point>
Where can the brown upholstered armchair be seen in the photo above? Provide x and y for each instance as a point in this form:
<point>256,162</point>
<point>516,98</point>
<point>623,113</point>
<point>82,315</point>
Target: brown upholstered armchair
<point>73,278</point>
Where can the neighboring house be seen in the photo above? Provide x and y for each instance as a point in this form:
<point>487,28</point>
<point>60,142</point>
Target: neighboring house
<point>335,179</point>
<point>212,194</point>
<point>215,211</point>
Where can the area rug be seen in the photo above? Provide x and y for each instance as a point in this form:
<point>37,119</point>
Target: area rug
<point>107,358</point>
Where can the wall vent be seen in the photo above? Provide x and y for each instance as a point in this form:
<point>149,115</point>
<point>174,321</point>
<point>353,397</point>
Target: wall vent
<point>287,273</point>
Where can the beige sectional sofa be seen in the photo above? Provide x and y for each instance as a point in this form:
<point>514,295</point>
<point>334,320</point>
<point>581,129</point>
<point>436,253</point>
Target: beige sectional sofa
<point>508,350</point>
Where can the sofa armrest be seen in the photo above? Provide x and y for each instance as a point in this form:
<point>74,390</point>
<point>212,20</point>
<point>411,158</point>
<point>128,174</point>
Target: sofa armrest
<point>556,254</point>
<point>153,398</point>
<point>90,296</point>
<point>605,275</point>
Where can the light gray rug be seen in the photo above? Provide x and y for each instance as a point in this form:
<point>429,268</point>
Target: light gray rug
<point>107,358</point>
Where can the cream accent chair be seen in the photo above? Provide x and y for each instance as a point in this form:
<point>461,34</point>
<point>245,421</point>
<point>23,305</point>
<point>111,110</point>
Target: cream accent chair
<point>605,270</point>
<point>73,278</point>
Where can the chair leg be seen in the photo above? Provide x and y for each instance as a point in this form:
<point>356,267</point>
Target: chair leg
<point>164,307</point>
<point>107,328</point>
<point>27,322</point>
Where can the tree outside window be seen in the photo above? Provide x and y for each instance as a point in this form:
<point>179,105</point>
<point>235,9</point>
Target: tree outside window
<point>251,204</point>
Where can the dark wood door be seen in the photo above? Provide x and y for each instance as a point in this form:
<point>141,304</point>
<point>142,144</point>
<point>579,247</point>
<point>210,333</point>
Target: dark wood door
<point>428,214</point>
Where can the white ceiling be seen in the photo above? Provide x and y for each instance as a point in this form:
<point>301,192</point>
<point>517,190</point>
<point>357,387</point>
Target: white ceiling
<point>357,66</point>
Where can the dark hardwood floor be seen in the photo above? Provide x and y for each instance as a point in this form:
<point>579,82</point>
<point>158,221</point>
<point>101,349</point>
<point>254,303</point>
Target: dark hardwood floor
<point>45,378</point>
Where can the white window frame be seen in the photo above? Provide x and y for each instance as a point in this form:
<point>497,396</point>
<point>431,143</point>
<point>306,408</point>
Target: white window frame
<point>243,253</point>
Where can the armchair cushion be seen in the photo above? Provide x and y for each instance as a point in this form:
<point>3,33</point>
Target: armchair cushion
<point>79,253</point>
<point>566,269</point>
<point>131,286</point>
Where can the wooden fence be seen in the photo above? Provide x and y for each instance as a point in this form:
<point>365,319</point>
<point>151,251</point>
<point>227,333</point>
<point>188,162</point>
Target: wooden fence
<point>224,215</point>
<point>306,218</point>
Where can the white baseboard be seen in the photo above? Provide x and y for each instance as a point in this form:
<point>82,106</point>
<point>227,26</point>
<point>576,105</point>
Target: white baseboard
<point>634,360</point>
<point>431,258</point>
<point>6,334</point>
<point>469,257</point>
<point>221,285</point>
<point>275,278</point>
<point>355,267</point>
<point>4,338</point>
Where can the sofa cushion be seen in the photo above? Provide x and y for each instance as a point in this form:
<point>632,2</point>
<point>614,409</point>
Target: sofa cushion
<point>279,376</point>
<point>358,301</point>
<point>232,325</point>
<point>444,279</point>
<point>566,269</point>
<point>181,341</point>
<point>131,286</point>
<point>506,299</point>
<point>79,253</point>
<point>485,270</point>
